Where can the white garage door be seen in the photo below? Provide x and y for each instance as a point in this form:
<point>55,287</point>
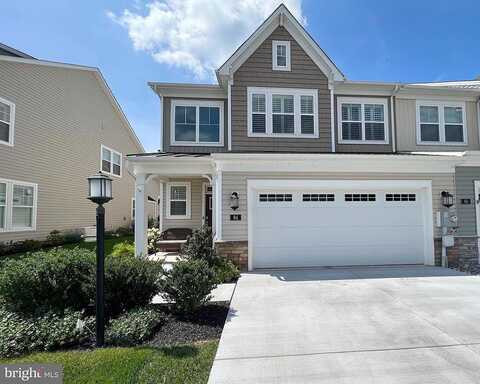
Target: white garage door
<point>320,227</point>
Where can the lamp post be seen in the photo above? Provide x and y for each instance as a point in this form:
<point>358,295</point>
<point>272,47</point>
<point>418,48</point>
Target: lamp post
<point>100,192</point>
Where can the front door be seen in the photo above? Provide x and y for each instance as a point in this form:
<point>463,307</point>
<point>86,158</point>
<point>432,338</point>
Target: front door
<point>208,209</point>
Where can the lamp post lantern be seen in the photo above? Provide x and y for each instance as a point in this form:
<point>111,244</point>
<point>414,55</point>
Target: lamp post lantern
<point>100,192</point>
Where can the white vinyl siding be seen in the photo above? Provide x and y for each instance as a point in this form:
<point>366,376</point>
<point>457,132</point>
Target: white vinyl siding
<point>362,121</point>
<point>282,112</point>
<point>18,206</point>
<point>179,200</point>
<point>441,123</point>
<point>196,123</point>
<point>7,119</point>
<point>111,161</point>
<point>280,55</point>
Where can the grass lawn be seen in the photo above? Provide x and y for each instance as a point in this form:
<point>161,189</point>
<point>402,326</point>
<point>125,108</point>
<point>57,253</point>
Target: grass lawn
<point>109,243</point>
<point>187,364</point>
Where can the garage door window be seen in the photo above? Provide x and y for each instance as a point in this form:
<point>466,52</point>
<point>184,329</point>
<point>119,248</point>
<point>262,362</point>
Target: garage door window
<point>360,197</point>
<point>318,197</point>
<point>275,197</point>
<point>400,197</point>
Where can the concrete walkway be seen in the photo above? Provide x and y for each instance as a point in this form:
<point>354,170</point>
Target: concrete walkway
<point>352,325</point>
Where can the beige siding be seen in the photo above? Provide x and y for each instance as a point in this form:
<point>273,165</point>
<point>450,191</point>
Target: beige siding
<point>364,148</point>
<point>167,103</point>
<point>237,182</point>
<point>196,206</point>
<point>407,130</point>
<point>257,72</point>
<point>62,117</point>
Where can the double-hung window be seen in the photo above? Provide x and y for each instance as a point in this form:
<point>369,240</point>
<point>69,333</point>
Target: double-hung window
<point>279,112</point>
<point>111,161</point>
<point>196,122</point>
<point>441,123</point>
<point>7,119</point>
<point>280,55</point>
<point>178,200</point>
<point>18,206</point>
<point>362,121</point>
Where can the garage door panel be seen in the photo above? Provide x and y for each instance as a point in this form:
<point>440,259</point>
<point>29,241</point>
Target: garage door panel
<point>301,233</point>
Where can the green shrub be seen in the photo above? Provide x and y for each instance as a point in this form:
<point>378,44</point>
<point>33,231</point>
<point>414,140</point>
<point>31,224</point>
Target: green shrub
<point>54,238</point>
<point>124,231</point>
<point>134,327</point>
<point>125,248</point>
<point>188,284</point>
<point>72,237</point>
<point>65,278</point>
<point>199,245</point>
<point>225,271</point>
<point>55,279</point>
<point>153,236</point>
<point>19,334</point>
<point>130,282</point>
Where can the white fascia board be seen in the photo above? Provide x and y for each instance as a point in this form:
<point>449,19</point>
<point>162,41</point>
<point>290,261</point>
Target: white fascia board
<point>176,166</point>
<point>197,91</point>
<point>338,163</point>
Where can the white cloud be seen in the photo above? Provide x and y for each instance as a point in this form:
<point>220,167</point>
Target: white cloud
<point>197,35</point>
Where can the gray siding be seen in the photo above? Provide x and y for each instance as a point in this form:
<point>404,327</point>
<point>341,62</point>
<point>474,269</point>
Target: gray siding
<point>464,180</point>
<point>62,117</point>
<point>406,127</point>
<point>257,72</point>
<point>364,148</point>
<point>167,103</point>
<point>237,182</point>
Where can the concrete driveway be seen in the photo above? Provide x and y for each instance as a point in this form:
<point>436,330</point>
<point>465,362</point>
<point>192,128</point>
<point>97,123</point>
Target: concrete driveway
<point>380,325</point>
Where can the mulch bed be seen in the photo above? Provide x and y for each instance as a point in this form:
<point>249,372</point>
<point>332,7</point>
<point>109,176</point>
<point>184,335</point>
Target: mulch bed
<point>206,324</point>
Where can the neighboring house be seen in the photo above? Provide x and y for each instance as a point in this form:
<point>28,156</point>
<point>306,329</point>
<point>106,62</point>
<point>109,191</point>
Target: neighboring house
<point>59,124</point>
<point>327,171</point>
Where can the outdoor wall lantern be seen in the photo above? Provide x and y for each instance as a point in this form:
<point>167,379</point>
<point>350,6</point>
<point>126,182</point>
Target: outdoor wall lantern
<point>100,192</point>
<point>447,199</point>
<point>234,201</point>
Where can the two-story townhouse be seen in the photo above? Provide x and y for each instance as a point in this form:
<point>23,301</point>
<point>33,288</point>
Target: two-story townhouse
<point>59,124</point>
<point>294,165</point>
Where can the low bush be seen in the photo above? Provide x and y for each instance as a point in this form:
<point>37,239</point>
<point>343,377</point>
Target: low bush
<point>199,245</point>
<point>134,327</point>
<point>19,334</point>
<point>225,271</point>
<point>61,278</point>
<point>188,284</point>
<point>124,231</point>
<point>153,236</point>
<point>72,237</point>
<point>55,279</point>
<point>125,248</point>
<point>54,239</point>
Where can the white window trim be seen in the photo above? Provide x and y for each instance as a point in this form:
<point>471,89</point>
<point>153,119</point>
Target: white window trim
<point>9,206</point>
<point>296,93</point>
<point>111,161</point>
<point>441,121</point>
<point>362,101</point>
<point>11,129</point>
<point>275,66</point>
<point>197,104</point>
<point>188,214</point>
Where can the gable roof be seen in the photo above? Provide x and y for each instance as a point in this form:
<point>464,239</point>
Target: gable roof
<point>98,75</point>
<point>280,17</point>
<point>9,51</point>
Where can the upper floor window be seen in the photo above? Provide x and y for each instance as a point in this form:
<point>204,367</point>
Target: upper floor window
<point>7,118</point>
<point>281,55</point>
<point>282,112</point>
<point>441,123</point>
<point>196,123</point>
<point>18,206</point>
<point>111,161</point>
<point>362,121</point>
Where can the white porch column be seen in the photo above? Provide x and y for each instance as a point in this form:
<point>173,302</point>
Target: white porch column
<point>217,201</point>
<point>141,223</point>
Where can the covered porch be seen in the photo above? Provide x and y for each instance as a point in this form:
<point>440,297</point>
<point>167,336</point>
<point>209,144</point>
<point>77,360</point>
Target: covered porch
<point>187,187</point>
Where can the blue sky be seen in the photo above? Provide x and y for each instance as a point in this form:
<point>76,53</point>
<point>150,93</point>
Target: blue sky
<point>133,41</point>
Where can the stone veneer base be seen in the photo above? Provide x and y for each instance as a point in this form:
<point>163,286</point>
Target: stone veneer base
<point>236,251</point>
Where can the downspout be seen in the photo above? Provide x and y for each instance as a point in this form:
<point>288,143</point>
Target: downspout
<point>332,114</point>
<point>229,101</point>
<point>161,123</point>
<point>393,112</point>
